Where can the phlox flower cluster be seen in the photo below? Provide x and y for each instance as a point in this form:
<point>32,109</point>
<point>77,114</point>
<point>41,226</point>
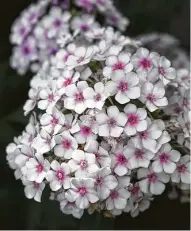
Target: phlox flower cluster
<point>95,137</point>
<point>35,33</point>
<point>177,112</point>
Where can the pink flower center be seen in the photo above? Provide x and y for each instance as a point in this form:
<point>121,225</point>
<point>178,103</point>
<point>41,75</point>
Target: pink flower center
<point>66,144</point>
<point>132,120</point>
<point>80,59</point>
<point>60,175</point>
<point>139,154</point>
<point>39,168</point>
<point>121,159</point>
<point>54,121</point>
<point>84,27</point>
<point>57,23</point>
<point>114,195</point>
<point>86,131</point>
<point>163,157</point>
<point>82,191</point>
<point>143,135</point>
<point>79,97</point>
<point>182,168</point>
<point>26,50</point>
<point>145,63</point>
<point>151,97</point>
<point>185,102</point>
<point>134,190</point>
<point>99,181</point>
<point>36,185</point>
<point>97,97</point>
<point>66,56</point>
<point>67,82</point>
<point>22,30</point>
<point>97,155</point>
<point>161,71</point>
<point>118,66</point>
<point>112,122</point>
<point>51,98</point>
<point>123,86</point>
<point>83,164</point>
<point>152,177</point>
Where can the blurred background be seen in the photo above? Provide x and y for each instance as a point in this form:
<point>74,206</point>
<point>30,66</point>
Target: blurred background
<point>17,212</point>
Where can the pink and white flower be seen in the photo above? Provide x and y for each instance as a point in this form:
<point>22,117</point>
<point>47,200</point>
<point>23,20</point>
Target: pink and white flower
<point>52,122</point>
<point>84,23</point>
<point>36,168</point>
<point>115,65</point>
<point>33,190</point>
<point>82,192</point>
<point>137,155</point>
<point>119,161</point>
<point>25,154</point>
<point>136,119</point>
<point>182,172</point>
<point>111,124</point>
<point>152,182</point>
<point>124,87</point>
<point>43,142</point>
<point>117,199</point>
<point>104,182</point>
<point>75,99</point>
<point>58,176</point>
<point>65,145</point>
<point>153,95</point>
<point>165,160</point>
<point>82,163</point>
<point>142,60</point>
<point>95,98</point>
<point>162,70</point>
<point>102,156</point>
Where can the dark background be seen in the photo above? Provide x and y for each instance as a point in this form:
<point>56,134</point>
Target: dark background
<point>17,212</point>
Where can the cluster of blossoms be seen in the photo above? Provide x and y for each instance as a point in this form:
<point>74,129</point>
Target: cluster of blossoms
<point>35,33</point>
<point>178,93</point>
<point>95,136</point>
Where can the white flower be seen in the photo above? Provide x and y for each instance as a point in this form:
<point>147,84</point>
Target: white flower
<point>111,124</point>
<point>102,156</point>
<point>117,199</point>
<point>25,154</point>
<point>124,87</point>
<point>59,176</point>
<point>95,98</point>
<point>119,161</point>
<point>148,138</point>
<point>43,142</point>
<point>75,99</point>
<point>86,132</point>
<point>82,163</point>
<point>34,190</point>
<point>48,97</point>
<point>67,78</point>
<point>82,192</point>
<point>70,208</point>
<point>136,119</point>
<point>70,124</point>
<point>32,101</point>
<point>29,133</point>
<point>151,182</point>
<point>63,54</point>
<point>52,122</point>
<point>65,145</point>
<point>165,160</point>
<point>182,172</point>
<point>104,182</point>
<point>162,70</point>
<point>117,64</point>
<point>137,155</point>
<point>153,95</point>
<point>36,168</point>
<point>142,60</point>
<point>84,23</point>
<point>81,56</point>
